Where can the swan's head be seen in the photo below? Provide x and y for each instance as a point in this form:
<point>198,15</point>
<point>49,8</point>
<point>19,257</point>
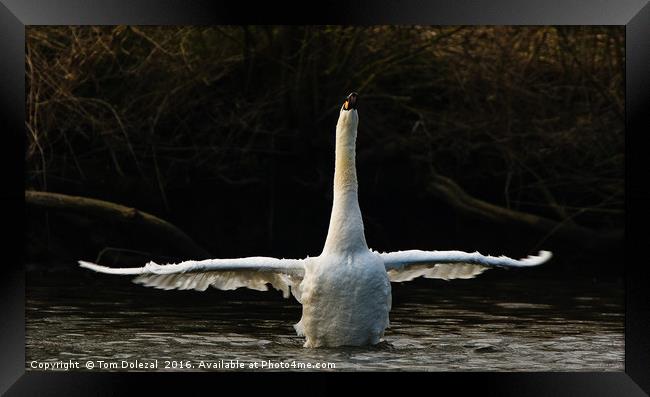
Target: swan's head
<point>350,102</point>
<point>348,117</point>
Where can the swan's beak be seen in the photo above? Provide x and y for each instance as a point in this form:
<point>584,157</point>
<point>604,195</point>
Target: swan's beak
<point>351,101</point>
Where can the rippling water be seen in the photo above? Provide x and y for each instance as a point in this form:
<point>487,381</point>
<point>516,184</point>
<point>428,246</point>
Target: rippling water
<point>497,322</point>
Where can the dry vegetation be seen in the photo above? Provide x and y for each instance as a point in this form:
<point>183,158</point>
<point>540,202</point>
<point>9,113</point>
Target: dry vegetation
<point>529,119</point>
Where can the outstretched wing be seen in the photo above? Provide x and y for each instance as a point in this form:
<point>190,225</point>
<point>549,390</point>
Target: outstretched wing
<point>447,265</point>
<point>254,273</point>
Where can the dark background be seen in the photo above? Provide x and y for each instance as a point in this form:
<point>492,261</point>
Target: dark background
<point>228,132</point>
<point>500,12</point>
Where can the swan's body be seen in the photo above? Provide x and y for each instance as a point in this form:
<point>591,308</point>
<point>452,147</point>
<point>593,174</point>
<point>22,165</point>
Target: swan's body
<point>340,309</point>
<point>345,291</point>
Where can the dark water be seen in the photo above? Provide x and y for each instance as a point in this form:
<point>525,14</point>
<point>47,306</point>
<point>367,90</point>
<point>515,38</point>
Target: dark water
<point>500,321</point>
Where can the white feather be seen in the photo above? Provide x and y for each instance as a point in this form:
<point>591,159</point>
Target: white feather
<point>226,274</point>
<point>448,265</point>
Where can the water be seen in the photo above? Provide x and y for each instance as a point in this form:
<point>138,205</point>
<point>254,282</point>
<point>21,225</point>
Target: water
<point>501,321</point>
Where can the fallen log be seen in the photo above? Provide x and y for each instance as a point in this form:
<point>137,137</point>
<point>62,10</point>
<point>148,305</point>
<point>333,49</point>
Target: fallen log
<point>451,193</point>
<point>106,210</point>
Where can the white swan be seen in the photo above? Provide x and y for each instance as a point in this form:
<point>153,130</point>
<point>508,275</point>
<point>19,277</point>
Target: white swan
<point>345,291</point>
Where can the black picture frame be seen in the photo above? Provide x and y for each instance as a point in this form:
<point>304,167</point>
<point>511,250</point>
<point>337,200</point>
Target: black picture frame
<point>634,14</point>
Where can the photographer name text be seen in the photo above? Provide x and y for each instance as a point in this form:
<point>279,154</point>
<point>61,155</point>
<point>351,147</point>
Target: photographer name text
<point>200,365</point>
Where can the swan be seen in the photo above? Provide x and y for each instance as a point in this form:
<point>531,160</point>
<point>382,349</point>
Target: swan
<point>345,292</point>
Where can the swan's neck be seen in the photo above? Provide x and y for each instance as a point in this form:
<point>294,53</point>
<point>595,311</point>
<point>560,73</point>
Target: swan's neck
<point>346,225</point>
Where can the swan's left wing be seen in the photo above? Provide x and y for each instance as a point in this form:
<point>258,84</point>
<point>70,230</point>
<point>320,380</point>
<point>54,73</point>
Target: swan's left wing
<point>447,265</point>
<point>225,274</point>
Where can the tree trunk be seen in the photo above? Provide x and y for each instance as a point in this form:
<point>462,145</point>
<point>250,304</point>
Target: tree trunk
<point>164,230</point>
<point>447,190</point>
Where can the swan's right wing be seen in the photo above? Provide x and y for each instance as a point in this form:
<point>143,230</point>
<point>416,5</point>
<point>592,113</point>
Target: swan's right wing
<point>226,274</point>
<point>447,265</point>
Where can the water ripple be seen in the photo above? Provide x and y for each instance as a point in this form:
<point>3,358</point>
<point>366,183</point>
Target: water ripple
<point>473,326</point>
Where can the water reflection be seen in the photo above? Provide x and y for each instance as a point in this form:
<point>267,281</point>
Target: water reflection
<point>481,324</point>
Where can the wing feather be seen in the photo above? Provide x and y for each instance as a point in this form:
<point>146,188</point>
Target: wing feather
<point>446,265</point>
<point>226,274</point>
